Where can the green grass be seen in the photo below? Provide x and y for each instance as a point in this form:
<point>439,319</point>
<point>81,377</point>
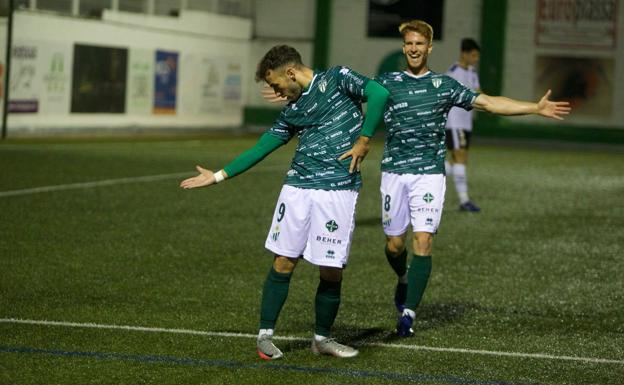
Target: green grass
<point>538,271</point>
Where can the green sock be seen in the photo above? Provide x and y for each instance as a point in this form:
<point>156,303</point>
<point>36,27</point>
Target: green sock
<point>274,295</point>
<point>326,304</point>
<point>417,278</point>
<point>397,262</point>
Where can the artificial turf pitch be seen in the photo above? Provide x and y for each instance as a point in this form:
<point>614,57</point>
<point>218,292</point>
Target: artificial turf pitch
<point>539,271</point>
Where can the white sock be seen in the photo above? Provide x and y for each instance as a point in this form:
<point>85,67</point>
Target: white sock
<point>448,167</point>
<point>319,338</point>
<point>461,182</point>
<point>409,312</point>
<point>268,332</point>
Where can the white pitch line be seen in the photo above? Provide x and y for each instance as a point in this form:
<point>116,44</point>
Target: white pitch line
<point>291,338</point>
<point>98,183</point>
<point>110,182</point>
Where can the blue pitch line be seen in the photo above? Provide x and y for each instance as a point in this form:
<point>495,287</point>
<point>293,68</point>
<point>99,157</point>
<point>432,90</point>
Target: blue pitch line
<point>240,365</point>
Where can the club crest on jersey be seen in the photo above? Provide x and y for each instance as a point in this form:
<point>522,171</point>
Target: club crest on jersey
<point>331,226</point>
<point>322,85</point>
<point>436,82</point>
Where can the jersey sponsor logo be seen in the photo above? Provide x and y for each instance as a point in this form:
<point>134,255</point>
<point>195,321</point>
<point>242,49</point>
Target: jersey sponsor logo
<point>330,254</point>
<point>415,92</point>
<point>429,222</point>
<point>328,240</point>
<point>431,210</point>
<point>339,116</point>
<point>399,105</point>
<point>311,109</point>
<point>323,173</point>
<point>428,197</point>
<point>437,82</point>
<point>331,226</point>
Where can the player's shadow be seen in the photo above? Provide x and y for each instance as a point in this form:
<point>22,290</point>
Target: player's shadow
<point>369,221</point>
<point>429,316</point>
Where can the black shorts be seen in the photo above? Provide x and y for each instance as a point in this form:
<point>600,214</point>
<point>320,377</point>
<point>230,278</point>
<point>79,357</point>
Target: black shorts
<point>457,139</point>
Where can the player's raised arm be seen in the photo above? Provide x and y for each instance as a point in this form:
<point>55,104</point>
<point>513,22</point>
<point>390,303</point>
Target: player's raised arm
<point>376,96</point>
<point>501,105</point>
<point>265,145</point>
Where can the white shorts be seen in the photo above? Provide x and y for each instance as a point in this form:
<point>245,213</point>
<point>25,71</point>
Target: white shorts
<point>317,224</point>
<point>415,197</point>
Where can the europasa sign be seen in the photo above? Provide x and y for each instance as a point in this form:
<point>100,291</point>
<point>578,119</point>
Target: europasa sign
<point>576,23</point>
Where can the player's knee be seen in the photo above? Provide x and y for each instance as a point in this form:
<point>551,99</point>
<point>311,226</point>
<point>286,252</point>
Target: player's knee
<point>331,274</point>
<point>284,264</point>
<point>395,245</point>
<point>423,243</point>
<point>460,156</point>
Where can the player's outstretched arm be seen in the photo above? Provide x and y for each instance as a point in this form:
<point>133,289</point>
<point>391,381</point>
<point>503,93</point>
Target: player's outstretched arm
<point>501,105</point>
<point>204,179</point>
<point>265,145</point>
<point>376,96</point>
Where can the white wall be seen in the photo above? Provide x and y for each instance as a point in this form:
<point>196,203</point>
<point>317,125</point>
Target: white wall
<point>292,22</point>
<point>279,22</point>
<point>213,50</point>
<point>521,54</point>
<point>350,46</point>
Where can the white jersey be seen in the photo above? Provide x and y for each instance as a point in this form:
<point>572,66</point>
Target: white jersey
<point>458,118</point>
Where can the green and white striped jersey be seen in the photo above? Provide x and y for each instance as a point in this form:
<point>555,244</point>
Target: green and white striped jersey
<point>415,118</point>
<point>327,117</point>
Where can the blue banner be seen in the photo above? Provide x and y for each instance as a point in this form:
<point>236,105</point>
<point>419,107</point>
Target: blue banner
<point>165,82</point>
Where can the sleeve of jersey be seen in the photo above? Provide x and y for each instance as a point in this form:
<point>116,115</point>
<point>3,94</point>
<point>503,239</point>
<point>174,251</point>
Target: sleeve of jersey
<point>351,83</point>
<point>463,96</point>
<point>265,145</point>
<point>377,97</point>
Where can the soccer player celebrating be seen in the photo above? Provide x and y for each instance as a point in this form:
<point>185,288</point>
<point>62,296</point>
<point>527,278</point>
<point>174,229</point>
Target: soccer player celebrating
<point>413,179</point>
<point>314,215</point>
<point>459,123</point>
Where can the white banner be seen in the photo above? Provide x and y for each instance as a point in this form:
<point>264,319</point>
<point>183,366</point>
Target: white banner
<point>24,84</point>
<point>54,66</point>
<point>576,23</point>
<point>140,82</point>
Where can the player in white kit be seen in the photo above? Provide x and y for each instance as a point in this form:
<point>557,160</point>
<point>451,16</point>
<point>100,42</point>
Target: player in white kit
<point>459,123</point>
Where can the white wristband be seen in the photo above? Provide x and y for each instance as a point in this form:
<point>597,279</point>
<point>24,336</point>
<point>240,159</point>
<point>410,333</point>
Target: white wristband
<point>219,176</point>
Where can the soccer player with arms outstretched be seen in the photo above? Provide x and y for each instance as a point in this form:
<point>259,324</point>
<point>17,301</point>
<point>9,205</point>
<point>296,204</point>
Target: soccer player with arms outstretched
<point>459,123</point>
<point>314,215</point>
<point>413,179</point>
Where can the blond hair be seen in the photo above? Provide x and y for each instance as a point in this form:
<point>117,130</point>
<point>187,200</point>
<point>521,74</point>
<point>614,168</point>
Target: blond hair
<point>422,27</point>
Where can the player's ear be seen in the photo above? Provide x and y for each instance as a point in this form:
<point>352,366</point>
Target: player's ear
<point>430,48</point>
<point>290,73</point>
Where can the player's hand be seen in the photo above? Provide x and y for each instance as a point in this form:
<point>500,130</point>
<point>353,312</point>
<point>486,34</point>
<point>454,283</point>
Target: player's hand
<point>357,153</point>
<point>270,96</point>
<point>550,109</point>
<point>205,178</point>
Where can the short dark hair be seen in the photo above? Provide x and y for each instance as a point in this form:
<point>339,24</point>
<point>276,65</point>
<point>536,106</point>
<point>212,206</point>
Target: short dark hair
<point>276,57</point>
<point>469,44</point>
